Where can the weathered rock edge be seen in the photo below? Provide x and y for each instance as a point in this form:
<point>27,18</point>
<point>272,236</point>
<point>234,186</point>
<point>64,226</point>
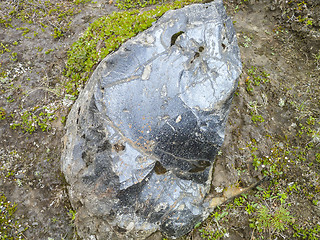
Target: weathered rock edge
<point>142,136</point>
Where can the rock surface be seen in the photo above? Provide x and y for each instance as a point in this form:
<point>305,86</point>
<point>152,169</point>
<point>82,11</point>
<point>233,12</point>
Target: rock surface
<point>142,136</point>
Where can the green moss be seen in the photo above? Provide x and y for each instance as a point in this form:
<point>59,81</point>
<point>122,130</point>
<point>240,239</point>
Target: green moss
<point>77,2</point>
<point>105,35</point>
<point>127,4</point>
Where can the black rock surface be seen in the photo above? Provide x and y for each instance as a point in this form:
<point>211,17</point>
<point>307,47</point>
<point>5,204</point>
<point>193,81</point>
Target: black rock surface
<point>142,137</point>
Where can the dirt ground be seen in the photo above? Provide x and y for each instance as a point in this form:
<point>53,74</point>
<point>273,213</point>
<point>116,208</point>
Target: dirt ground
<point>273,128</point>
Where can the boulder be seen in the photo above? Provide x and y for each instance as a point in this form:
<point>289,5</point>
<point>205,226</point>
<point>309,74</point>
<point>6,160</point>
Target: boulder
<point>143,135</point>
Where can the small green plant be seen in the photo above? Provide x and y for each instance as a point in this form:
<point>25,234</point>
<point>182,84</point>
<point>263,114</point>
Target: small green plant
<point>251,208</point>
<point>10,229</point>
<point>214,231</point>
<point>248,82</point>
<point>5,22</point>
<point>237,7</point>
<point>269,165</point>
<point>239,201</point>
<point>63,119</point>
<point>10,99</point>
<point>318,157</point>
<point>57,33</point>
<point>4,48</point>
<point>317,59</point>
<point>247,42</point>
<point>271,222</point>
<point>72,215</point>
<point>2,114</point>
<point>48,51</point>
<point>30,121</point>
<point>14,56</point>
<point>311,120</point>
<point>212,234</point>
<point>256,118</point>
<point>24,29</point>
<point>309,22</point>
<point>256,77</point>
<point>218,216</point>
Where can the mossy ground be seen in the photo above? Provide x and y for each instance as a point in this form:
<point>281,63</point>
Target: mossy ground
<point>273,128</point>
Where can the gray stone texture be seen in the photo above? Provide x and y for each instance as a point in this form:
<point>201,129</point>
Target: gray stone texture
<point>142,137</point>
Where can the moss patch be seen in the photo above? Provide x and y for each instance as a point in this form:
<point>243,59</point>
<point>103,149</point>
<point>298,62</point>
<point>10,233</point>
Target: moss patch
<point>105,35</point>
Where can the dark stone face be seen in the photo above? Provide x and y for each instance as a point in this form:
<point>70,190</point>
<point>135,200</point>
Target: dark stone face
<point>143,135</point>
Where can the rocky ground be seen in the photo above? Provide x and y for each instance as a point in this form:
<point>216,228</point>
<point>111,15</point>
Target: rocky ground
<point>273,128</point>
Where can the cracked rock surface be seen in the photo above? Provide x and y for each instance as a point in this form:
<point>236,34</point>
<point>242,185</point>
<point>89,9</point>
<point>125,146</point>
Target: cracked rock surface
<point>142,136</point>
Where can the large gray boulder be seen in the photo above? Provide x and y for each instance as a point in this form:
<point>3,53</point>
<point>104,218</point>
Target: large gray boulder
<point>142,137</point>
